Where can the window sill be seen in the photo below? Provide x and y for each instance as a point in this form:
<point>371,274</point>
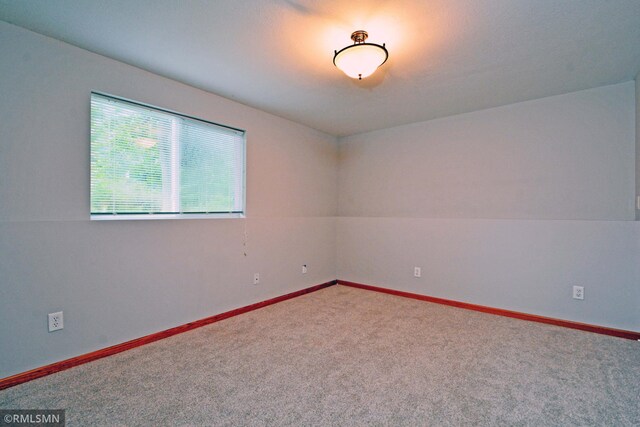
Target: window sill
<point>165,216</point>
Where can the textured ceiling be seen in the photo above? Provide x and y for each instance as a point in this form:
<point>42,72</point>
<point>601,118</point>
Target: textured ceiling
<point>446,56</point>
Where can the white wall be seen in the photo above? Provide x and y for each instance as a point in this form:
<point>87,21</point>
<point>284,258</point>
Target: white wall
<point>563,157</point>
<point>119,280</point>
<point>508,207</point>
<point>527,266</point>
<point>637,82</point>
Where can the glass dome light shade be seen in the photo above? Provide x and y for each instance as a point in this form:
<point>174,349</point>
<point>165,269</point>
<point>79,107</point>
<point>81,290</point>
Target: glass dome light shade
<point>361,59</point>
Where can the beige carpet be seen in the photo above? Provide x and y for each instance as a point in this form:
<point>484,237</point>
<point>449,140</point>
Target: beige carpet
<point>343,356</point>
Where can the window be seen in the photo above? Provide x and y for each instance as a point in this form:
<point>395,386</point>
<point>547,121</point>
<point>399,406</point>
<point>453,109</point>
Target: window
<point>151,163</point>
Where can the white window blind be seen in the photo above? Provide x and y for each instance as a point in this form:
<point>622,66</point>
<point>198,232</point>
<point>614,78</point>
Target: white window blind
<point>149,161</point>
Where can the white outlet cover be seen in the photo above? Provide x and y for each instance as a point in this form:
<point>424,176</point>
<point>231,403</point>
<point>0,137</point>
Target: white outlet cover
<point>578,292</point>
<point>56,321</point>
<point>256,278</point>
<point>417,272</point>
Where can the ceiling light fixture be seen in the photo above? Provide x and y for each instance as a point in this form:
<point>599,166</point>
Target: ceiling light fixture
<point>360,59</point>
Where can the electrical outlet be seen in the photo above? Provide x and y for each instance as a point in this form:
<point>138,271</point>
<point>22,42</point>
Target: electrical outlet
<point>304,269</point>
<point>256,278</point>
<point>56,321</point>
<point>417,272</point>
<point>578,292</point>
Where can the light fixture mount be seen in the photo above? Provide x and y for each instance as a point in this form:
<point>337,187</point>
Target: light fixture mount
<point>359,36</point>
<point>360,59</point>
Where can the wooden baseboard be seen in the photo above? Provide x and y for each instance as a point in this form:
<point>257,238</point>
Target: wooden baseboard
<point>501,312</point>
<point>118,348</point>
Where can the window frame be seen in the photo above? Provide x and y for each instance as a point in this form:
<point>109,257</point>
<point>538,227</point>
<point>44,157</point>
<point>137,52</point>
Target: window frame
<point>173,215</point>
